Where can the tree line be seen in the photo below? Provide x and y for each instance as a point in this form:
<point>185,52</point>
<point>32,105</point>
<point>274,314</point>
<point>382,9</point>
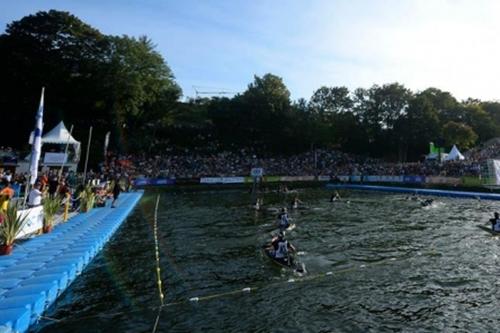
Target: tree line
<point>122,84</point>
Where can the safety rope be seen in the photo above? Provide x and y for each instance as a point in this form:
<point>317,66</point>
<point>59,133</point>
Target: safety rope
<point>246,290</point>
<point>158,271</point>
<point>157,251</point>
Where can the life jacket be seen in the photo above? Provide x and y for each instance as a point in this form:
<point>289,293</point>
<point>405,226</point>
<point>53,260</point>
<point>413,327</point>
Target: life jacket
<point>282,250</point>
<point>496,226</point>
<point>284,220</point>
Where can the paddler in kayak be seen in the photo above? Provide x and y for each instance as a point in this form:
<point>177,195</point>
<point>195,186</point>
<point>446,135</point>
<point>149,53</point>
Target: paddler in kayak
<point>335,197</point>
<point>258,204</point>
<point>427,202</point>
<point>283,223</point>
<point>495,222</point>
<point>280,248</point>
<point>295,203</point>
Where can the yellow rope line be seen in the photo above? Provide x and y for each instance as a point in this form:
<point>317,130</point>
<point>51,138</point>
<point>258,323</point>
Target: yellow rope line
<point>229,293</point>
<point>157,251</point>
<point>158,271</point>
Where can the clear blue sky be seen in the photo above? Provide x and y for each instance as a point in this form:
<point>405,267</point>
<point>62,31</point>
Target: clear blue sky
<point>449,44</point>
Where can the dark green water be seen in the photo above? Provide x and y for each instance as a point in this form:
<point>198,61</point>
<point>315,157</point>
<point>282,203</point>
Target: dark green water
<point>396,267</point>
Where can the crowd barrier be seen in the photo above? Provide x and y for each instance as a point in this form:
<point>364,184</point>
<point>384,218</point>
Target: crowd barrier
<point>407,179</point>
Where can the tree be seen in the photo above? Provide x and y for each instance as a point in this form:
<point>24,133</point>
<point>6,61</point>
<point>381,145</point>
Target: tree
<point>379,108</point>
<point>90,78</point>
<point>444,103</point>
<point>140,86</point>
<point>265,112</point>
<point>52,49</point>
<point>419,126</point>
<point>493,109</point>
<point>480,121</point>
<point>459,134</point>
<point>328,100</point>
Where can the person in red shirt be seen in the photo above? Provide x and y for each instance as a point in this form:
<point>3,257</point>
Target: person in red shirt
<point>5,195</point>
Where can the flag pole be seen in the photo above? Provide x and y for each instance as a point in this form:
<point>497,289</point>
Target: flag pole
<point>87,156</point>
<point>36,148</point>
<point>65,154</point>
<point>106,143</point>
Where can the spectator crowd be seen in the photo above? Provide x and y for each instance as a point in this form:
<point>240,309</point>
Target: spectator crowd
<point>188,164</point>
<point>198,163</point>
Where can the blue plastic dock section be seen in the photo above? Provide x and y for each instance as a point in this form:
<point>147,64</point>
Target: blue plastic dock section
<point>421,191</point>
<point>39,270</point>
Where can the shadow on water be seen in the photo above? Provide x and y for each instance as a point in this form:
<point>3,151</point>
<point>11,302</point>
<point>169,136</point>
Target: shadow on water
<point>396,267</point>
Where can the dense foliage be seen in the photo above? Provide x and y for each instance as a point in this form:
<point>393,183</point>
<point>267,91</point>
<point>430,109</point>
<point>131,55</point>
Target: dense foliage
<point>108,82</point>
<point>122,84</point>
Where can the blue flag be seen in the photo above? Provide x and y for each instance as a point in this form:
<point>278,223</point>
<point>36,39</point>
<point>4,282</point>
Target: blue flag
<point>36,148</point>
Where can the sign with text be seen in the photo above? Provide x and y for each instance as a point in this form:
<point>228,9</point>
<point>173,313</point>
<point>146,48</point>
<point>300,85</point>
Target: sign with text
<point>54,158</point>
<point>33,222</point>
<point>257,172</point>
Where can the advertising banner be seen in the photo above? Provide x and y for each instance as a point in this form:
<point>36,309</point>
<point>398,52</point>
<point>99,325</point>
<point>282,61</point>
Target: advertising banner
<point>210,180</point>
<point>442,180</point>
<point>222,180</point>
<point>414,179</point>
<point>372,179</point>
<point>297,178</point>
<point>391,179</point>
<point>271,179</point>
<point>54,158</point>
<point>153,181</point>
<point>323,178</point>
<point>33,222</point>
<point>355,179</point>
<point>472,181</point>
<point>162,181</point>
<point>233,180</point>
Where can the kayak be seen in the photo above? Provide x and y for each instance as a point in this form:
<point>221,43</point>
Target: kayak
<point>290,228</point>
<point>488,229</point>
<point>288,263</point>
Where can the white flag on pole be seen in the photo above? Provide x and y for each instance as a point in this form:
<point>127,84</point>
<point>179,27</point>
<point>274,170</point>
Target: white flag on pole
<point>106,144</point>
<point>36,148</point>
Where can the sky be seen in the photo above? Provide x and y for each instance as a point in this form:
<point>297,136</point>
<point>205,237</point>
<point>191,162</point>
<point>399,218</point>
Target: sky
<point>216,45</point>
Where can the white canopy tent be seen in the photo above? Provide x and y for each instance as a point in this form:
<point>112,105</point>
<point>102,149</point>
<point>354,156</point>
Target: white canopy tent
<point>454,155</point>
<point>60,135</point>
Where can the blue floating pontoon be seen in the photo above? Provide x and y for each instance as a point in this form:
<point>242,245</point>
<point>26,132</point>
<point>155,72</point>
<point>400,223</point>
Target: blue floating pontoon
<point>42,268</point>
<point>420,191</point>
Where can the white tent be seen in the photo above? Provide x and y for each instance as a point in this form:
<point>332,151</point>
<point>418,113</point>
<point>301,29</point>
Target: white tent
<point>454,154</point>
<point>61,136</point>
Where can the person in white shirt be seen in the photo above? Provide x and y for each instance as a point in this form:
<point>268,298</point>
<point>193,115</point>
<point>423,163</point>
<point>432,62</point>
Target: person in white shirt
<point>35,196</point>
<point>8,176</point>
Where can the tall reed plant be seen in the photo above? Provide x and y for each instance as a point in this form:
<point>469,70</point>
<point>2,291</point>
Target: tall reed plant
<point>11,226</point>
<point>51,206</point>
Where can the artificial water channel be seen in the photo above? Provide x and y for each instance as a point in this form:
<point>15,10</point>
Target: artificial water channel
<point>395,266</point>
